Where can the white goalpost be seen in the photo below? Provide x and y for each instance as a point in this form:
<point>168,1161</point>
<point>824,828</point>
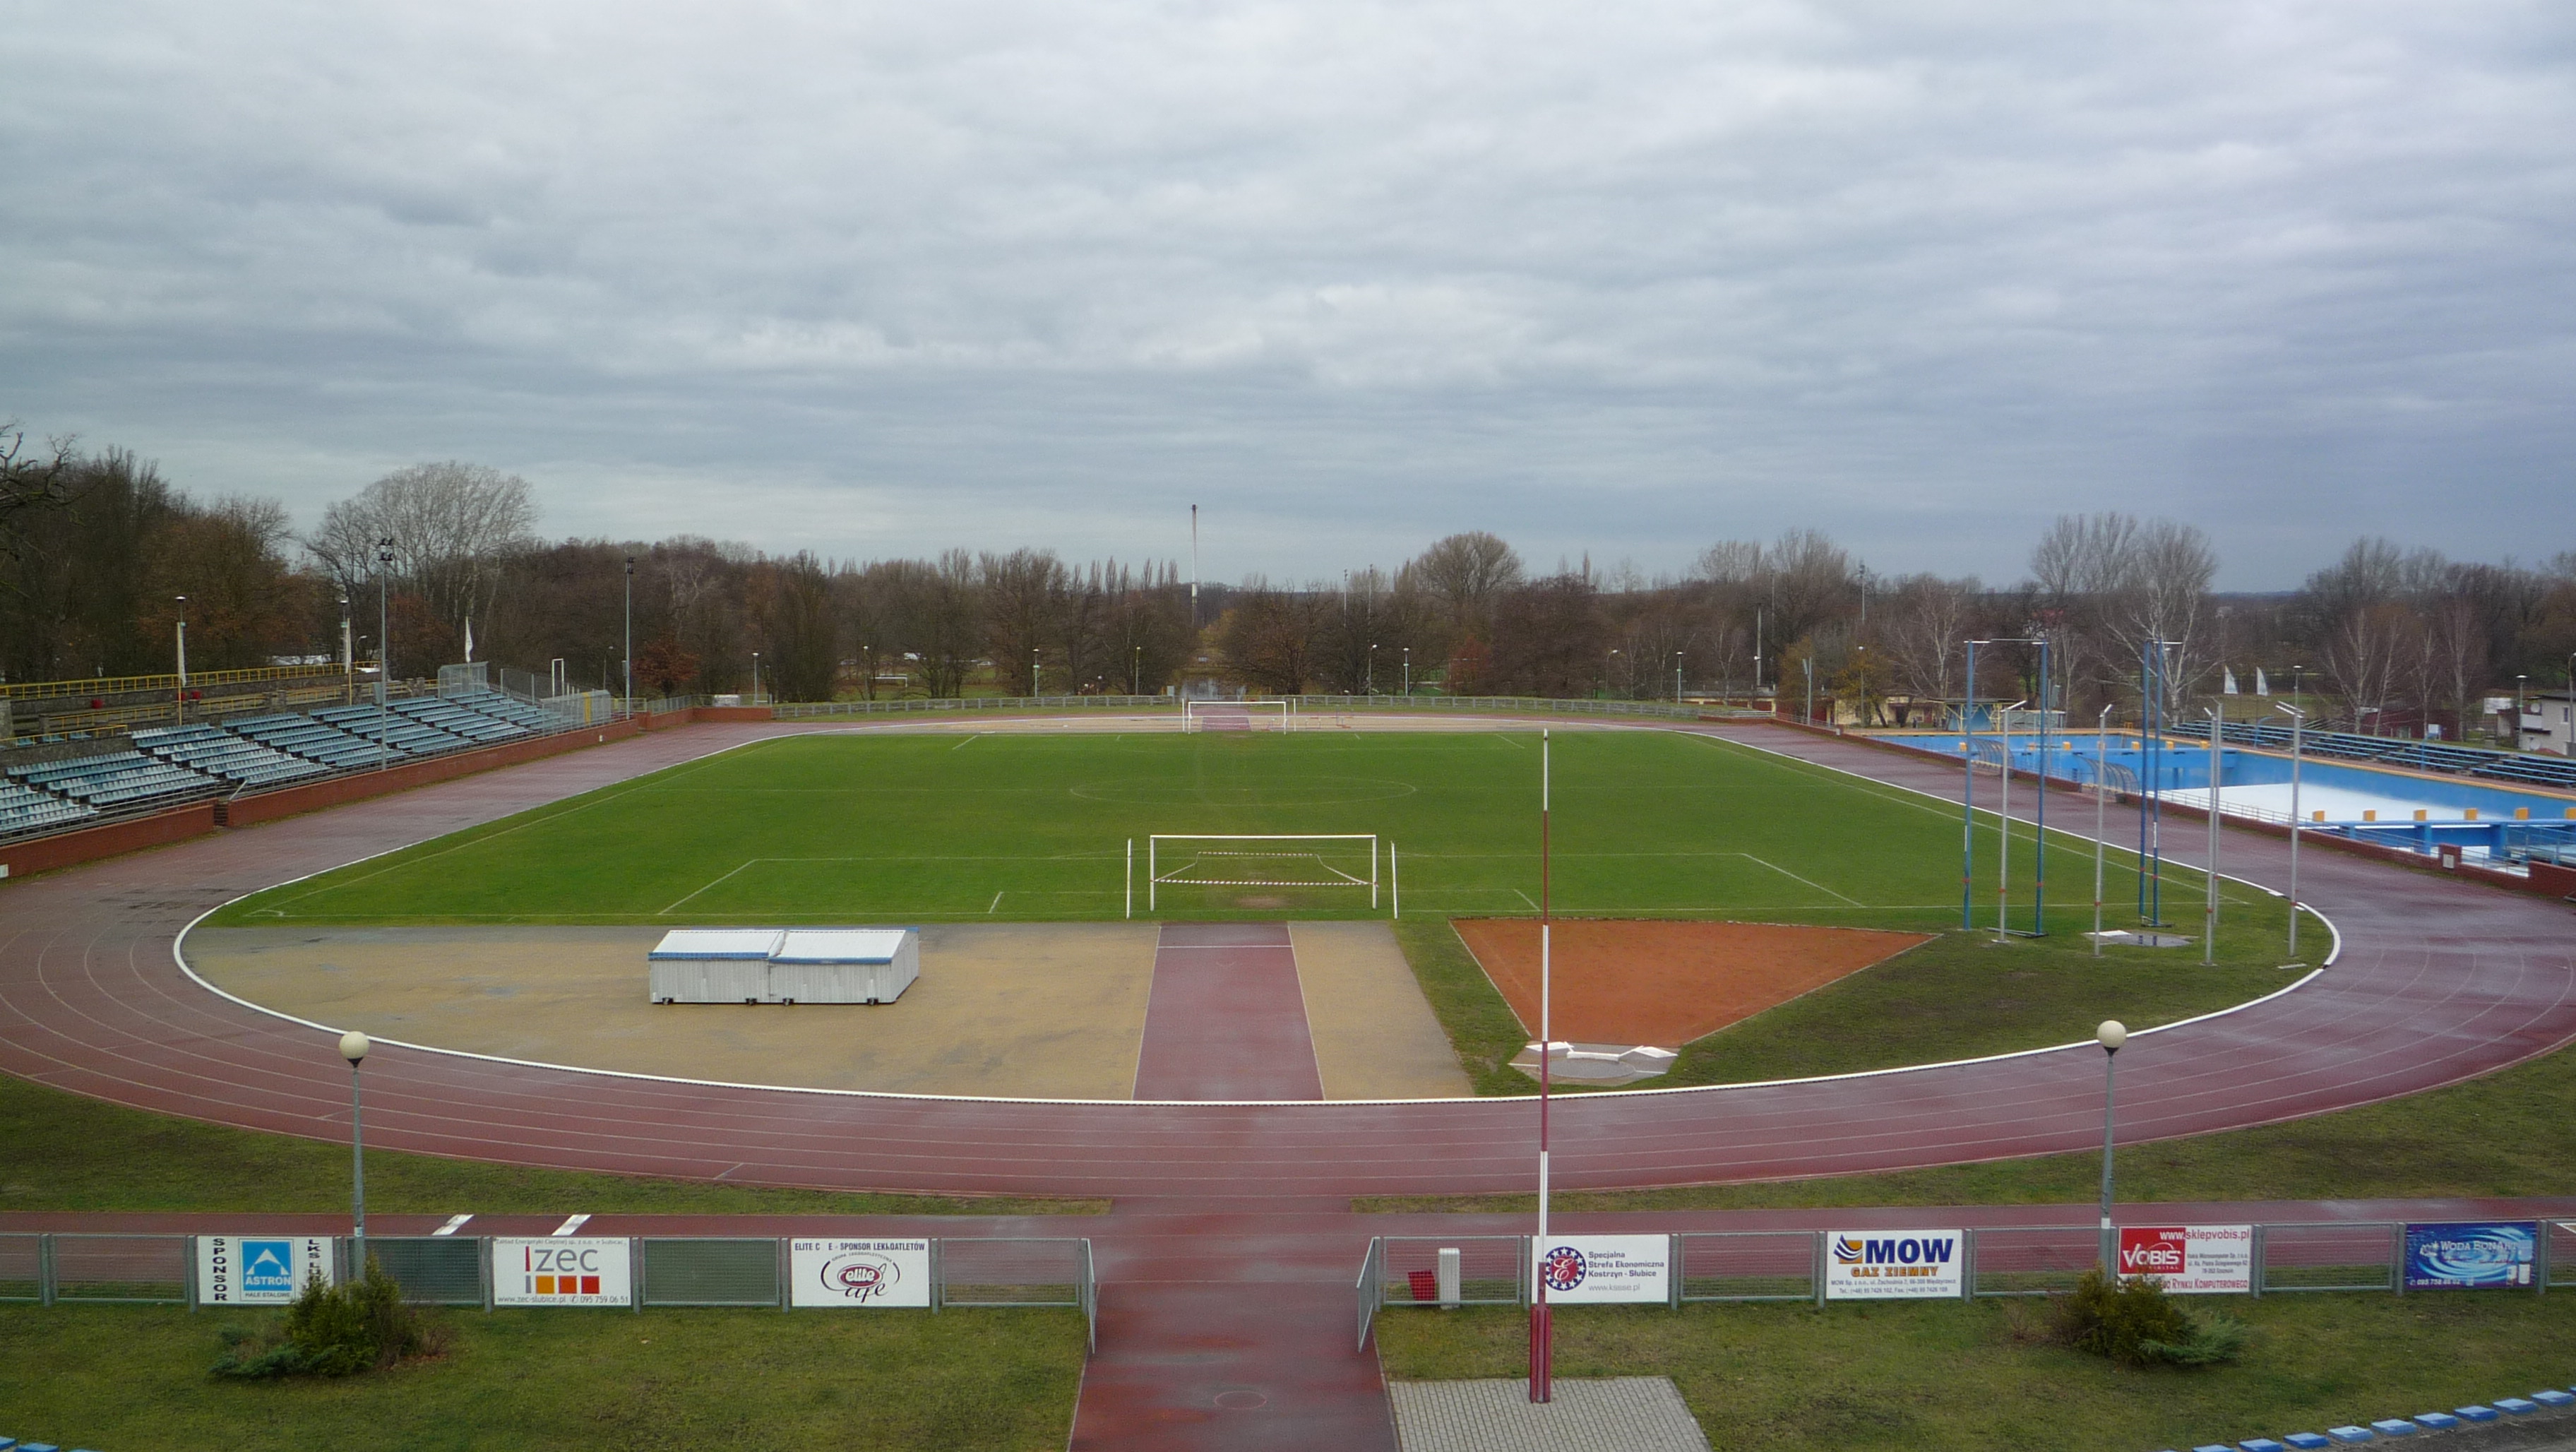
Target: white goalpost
<point>1198,859</point>
<point>1245,715</point>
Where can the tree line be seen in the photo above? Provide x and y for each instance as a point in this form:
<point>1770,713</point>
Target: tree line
<point>96,550</point>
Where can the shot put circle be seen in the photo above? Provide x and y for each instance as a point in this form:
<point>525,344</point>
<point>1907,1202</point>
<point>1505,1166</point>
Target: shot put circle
<point>1241,1401</point>
<point>1330,791</point>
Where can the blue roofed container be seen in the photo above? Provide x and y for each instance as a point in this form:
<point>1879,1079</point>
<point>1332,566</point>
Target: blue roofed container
<point>712,965</point>
<point>844,965</point>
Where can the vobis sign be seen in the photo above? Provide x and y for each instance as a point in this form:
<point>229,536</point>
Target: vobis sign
<point>563,1270</point>
<point>1886,1265</point>
<point>2191,1260</point>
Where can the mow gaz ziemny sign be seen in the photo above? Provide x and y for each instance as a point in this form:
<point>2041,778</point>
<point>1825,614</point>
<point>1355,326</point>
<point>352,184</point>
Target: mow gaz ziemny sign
<point>1887,1265</point>
<point>563,1270</point>
<point>259,1270</point>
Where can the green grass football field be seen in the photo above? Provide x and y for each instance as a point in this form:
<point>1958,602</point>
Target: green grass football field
<point>882,827</point>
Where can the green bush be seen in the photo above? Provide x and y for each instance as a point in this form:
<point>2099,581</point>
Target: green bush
<point>331,1331</point>
<point>2135,1323</point>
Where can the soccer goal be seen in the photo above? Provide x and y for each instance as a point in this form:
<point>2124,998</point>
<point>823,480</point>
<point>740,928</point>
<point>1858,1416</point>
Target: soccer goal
<point>1238,715</point>
<point>1336,860</point>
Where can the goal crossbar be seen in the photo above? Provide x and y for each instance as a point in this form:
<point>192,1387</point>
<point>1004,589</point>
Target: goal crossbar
<point>1249,848</point>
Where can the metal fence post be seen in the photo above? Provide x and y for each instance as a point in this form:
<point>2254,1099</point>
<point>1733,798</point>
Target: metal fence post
<point>483,1270</point>
<point>2257,1277</point>
<point>2397,1256</point>
<point>938,1275</point>
<point>1968,1263</point>
<point>45,1269</point>
<point>1090,1299</point>
<point>188,1264</point>
<point>1676,1267</point>
<point>786,1273</point>
<point>1820,1267</point>
<point>2540,1257</point>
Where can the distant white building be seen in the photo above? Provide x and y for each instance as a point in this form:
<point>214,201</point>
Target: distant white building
<point>2549,722</point>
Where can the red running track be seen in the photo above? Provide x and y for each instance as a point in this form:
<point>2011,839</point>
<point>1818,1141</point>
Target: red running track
<point>1226,1018</point>
<point>2439,981</point>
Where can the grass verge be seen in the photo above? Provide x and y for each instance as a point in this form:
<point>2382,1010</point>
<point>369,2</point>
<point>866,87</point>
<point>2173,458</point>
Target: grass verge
<point>60,1151</point>
<point>1948,1375</point>
<point>609,1382</point>
<point>2512,1132</point>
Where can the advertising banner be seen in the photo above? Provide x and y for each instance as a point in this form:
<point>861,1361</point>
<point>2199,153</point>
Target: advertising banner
<point>2191,1260</point>
<point>1886,1265</point>
<point>563,1270</point>
<point>861,1273</point>
<point>259,1270</point>
<point>1581,1270</point>
<point>2471,1254</point>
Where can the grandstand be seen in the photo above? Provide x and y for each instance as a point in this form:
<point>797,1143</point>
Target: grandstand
<point>170,765</point>
<point>217,752</point>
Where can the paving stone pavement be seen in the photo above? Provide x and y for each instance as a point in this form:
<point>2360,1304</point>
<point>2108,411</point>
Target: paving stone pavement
<point>1615,1414</point>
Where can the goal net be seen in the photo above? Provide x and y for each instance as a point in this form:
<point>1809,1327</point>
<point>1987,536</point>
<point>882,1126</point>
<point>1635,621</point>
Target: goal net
<point>1343,861</point>
<point>1238,715</point>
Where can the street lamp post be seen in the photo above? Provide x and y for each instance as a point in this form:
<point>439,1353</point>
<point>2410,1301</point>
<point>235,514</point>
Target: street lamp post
<point>2101,800</point>
<point>630,634</point>
<point>348,655</point>
<point>1033,673</point>
<point>2521,709</point>
<point>1372,668</point>
<point>755,678</point>
<point>179,705</point>
<point>1408,671</point>
<point>1136,673</point>
<point>353,1047</point>
<point>1677,678</point>
<point>1810,663</point>
<point>384,653</point>
<point>2111,1035</point>
<point>2298,727</point>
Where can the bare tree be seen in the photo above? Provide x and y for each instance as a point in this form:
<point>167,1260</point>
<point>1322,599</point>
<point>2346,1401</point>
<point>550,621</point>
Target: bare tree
<point>1465,572</point>
<point>451,525</point>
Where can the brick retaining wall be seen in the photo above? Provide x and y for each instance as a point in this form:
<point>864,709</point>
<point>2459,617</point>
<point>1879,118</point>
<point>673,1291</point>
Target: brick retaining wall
<point>66,849</point>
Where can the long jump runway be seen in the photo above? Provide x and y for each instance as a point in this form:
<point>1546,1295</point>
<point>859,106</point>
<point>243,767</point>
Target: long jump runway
<point>1227,1019</point>
<point>2438,981</point>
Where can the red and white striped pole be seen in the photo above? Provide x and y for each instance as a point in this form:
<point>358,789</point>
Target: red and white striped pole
<point>1541,1341</point>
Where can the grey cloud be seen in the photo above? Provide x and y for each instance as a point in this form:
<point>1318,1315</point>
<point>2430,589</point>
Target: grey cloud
<point>1621,279</point>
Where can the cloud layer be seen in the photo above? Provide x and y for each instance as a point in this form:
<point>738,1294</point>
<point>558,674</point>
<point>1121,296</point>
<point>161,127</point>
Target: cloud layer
<point>1617,280</point>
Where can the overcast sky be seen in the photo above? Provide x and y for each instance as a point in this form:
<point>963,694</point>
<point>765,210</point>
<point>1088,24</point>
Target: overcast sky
<point>876,279</point>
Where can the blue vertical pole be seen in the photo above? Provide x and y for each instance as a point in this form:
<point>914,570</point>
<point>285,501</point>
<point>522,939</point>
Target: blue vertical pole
<point>2146,769</point>
<point>1968,797</point>
<point>2039,890</point>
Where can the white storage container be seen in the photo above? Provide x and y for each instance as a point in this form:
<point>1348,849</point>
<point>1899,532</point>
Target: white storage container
<point>712,965</point>
<point>844,965</point>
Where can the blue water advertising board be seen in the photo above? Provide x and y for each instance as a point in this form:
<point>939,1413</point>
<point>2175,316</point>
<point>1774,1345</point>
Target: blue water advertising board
<point>2469,1254</point>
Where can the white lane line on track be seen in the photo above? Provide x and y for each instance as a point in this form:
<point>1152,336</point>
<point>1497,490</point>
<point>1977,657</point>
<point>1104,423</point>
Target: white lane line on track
<point>454,1224</point>
<point>571,1224</point>
<point>1498,1104</point>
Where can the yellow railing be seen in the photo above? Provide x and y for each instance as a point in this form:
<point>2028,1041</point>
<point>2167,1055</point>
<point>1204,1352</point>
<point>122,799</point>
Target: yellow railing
<point>197,681</point>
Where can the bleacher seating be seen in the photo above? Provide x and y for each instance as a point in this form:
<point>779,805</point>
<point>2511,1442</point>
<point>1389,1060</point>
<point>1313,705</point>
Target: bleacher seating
<point>117,779</point>
<point>405,735</point>
<point>507,708</point>
<point>25,809</point>
<point>456,720</point>
<point>217,752</point>
<point>313,740</point>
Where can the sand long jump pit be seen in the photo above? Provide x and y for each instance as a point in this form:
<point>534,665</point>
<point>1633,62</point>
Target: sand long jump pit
<point>1010,1010</point>
<point>1622,984</point>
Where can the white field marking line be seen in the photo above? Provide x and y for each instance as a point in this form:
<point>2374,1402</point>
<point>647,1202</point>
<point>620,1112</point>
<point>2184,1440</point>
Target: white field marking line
<point>454,1224</point>
<point>994,904</point>
<point>1298,972</point>
<point>571,1224</point>
<point>1793,877</point>
<point>1497,1104</point>
<point>1525,897</point>
<point>2076,836</point>
<point>969,741</point>
<point>675,907</point>
<point>178,957</point>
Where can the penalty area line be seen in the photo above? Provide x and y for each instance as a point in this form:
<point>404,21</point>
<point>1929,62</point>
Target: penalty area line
<point>994,904</point>
<point>675,907</point>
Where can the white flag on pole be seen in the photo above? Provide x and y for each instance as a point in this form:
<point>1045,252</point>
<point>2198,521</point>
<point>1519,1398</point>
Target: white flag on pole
<point>469,640</point>
<point>2262,687</point>
<point>2231,681</point>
